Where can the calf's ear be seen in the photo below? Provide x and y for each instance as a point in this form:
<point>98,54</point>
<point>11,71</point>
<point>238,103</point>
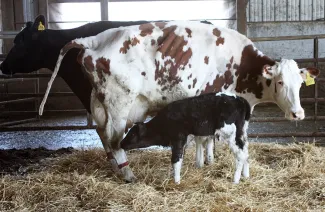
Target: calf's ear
<point>142,128</point>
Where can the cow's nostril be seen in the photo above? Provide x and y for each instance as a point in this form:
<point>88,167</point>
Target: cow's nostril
<point>294,115</point>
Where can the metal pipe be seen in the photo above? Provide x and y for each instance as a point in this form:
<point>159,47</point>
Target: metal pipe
<point>6,81</point>
<point>17,101</point>
<point>55,94</point>
<point>290,134</point>
<point>315,86</point>
<point>280,119</point>
<point>46,112</point>
<point>25,76</point>
<point>45,128</point>
<point>10,123</point>
<point>280,38</point>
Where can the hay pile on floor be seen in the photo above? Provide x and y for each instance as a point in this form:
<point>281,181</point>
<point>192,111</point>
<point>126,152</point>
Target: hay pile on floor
<point>282,178</point>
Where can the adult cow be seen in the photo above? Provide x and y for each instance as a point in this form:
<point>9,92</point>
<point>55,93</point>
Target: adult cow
<point>138,69</point>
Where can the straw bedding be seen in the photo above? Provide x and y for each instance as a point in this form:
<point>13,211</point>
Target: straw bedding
<point>283,178</point>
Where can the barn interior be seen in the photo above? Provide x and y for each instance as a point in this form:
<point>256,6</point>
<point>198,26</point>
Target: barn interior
<point>279,28</point>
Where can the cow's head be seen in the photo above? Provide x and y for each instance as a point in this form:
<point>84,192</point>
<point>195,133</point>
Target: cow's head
<point>27,53</point>
<point>139,137</point>
<point>286,82</point>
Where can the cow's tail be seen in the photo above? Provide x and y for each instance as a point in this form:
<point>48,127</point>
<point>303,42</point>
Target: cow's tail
<point>63,52</point>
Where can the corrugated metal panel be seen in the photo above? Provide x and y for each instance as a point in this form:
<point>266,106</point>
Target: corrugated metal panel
<point>285,10</point>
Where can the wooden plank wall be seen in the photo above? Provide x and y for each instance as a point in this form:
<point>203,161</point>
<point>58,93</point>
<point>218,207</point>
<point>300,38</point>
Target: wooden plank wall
<point>285,10</point>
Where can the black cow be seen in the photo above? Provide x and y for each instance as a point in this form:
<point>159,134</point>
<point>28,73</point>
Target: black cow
<point>206,115</point>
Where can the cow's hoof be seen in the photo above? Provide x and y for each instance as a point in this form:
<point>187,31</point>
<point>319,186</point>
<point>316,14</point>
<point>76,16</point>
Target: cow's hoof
<point>131,180</point>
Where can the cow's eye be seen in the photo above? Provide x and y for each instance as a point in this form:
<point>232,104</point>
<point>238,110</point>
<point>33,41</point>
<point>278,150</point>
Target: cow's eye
<point>280,83</point>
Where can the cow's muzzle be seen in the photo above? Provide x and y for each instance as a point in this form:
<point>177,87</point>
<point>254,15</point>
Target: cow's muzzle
<point>296,115</point>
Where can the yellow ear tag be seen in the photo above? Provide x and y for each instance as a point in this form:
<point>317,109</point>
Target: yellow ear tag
<point>41,27</point>
<point>309,80</point>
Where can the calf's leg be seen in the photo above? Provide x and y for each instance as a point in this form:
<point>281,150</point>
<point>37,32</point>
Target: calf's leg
<point>177,157</point>
<point>245,149</point>
<point>236,144</point>
<point>199,152</point>
<point>209,150</point>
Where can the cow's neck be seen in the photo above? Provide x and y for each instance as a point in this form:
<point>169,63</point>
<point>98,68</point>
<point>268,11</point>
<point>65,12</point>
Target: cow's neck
<point>250,83</point>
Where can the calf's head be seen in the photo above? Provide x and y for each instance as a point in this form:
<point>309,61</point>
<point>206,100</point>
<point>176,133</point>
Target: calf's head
<point>27,54</point>
<point>286,79</point>
<point>139,136</point>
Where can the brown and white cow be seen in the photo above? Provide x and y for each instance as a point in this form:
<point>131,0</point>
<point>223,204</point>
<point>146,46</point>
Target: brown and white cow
<point>137,70</point>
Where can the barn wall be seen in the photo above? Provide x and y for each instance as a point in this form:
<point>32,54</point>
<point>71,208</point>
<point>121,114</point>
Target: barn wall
<point>285,10</point>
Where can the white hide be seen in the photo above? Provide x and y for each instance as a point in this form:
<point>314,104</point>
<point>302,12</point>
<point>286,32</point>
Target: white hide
<point>228,133</point>
<point>177,171</point>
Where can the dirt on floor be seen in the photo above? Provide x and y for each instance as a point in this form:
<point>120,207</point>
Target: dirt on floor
<point>16,161</point>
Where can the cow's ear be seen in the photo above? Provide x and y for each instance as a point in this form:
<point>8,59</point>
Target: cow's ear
<point>313,72</point>
<point>309,74</point>
<point>268,71</point>
<point>39,23</point>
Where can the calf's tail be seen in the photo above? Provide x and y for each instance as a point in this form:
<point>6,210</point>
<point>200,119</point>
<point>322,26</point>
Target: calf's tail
<point>63,52</point>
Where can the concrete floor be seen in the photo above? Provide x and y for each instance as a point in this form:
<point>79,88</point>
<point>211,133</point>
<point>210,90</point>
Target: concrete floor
<point>89,138</point>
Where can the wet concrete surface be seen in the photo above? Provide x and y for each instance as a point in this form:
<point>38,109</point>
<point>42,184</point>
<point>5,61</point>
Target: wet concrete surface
<point>88,138</point>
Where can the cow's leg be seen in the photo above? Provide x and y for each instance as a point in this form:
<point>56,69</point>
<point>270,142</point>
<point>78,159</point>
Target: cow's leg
<point>109,133</point>
<point>199,152</point>
<point>209,150</point>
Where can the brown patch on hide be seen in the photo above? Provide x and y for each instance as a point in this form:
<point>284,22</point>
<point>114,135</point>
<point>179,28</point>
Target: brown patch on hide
<point>171,46</point>
<point>189,32</point>
<point>101,97</point>
<point>69,46</point>
<point>249,70</point>
<point>161,25</point>
<point>229,78</point>
<point>146,29</point>
<point>220,40</point>
<point>80,56</point>
<point>143,73</point>
<point>216,86</point>
<point>127,44</point>
<point>103,65</point>
<point>153,42</point>
<point>206,60</point>
<point>88,63</point>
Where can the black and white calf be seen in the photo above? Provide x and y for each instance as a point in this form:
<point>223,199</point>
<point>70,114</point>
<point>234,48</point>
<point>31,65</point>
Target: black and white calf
<point>211,114</point>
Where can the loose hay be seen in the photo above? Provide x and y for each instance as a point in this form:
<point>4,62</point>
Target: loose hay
<point>283,178</point>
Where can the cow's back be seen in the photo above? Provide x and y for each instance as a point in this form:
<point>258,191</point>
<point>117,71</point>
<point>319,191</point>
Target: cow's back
<point>165,61</point>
